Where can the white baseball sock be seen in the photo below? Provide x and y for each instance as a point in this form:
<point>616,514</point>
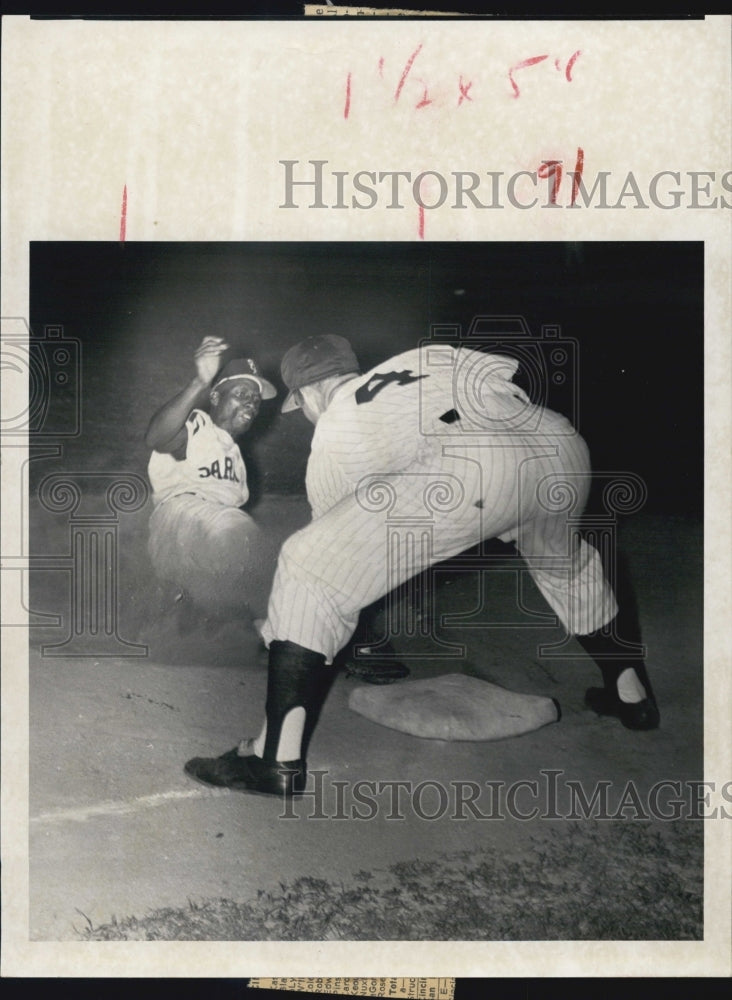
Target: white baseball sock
<point>289,746</point>
<point>258,744</point>
<point>629,687</point>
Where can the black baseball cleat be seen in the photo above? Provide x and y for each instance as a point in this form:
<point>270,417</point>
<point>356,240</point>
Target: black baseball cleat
<point>249,774</point>
<point>634,715</point>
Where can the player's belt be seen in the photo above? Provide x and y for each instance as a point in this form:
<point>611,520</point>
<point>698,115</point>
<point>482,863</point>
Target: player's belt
<point>183,493</point>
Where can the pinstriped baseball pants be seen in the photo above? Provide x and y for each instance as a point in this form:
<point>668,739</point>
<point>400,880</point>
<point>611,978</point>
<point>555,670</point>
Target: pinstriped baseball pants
<point>395,525</point>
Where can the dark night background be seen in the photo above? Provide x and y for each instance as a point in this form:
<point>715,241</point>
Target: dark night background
<point>140,310</point>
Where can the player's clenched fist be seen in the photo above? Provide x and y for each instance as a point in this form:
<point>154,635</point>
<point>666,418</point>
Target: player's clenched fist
<point>207,357</point>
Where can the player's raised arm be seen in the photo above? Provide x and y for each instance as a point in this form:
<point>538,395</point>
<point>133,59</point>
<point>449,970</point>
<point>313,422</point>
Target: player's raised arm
<point>166,430</point>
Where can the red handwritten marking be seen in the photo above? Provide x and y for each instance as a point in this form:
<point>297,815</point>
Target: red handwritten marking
<point>123,217</point>
<point>405,73</point>
<point>556,64</point>
<point>570,64</point>
<point>578,168</point>
<point>464,95</point>
<point>381,66</point>
<point>522,65</point>
<point>421,224</point>
<point>425,99</point>
<point>347,108</point>
<point>553,169</point>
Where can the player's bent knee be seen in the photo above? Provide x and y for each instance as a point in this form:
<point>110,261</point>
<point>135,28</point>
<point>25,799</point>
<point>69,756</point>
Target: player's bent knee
<point>296,556</point>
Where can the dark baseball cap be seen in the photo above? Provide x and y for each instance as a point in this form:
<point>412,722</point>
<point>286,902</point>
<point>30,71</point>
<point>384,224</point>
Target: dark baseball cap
<point>313,359</point>
<point>245,368</point>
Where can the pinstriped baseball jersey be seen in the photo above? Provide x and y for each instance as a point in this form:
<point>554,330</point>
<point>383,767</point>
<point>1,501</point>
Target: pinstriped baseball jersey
<point>212,468</point>
<point>398,415</point>
<point>414,462</point>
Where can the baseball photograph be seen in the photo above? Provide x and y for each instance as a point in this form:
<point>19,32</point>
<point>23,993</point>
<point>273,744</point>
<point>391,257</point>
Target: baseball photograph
<point>366,589</point>
<point>365,498</point>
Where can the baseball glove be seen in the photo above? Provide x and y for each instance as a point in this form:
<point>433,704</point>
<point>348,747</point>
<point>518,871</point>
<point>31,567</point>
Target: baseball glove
<point>373,670</point>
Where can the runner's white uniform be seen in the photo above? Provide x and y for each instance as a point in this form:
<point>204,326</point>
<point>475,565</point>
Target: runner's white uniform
<point>433,451</point>
<point>199,538</point>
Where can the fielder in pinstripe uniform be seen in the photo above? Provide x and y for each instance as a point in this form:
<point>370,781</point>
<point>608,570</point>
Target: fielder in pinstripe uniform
<point>446,426</point>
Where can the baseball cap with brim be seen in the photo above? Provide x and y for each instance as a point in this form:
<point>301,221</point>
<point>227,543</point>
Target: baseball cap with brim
<point>245,368</point>
<point>313,359</point>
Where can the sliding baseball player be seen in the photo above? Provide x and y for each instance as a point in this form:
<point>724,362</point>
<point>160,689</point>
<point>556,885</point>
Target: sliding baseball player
<point>200,537</point>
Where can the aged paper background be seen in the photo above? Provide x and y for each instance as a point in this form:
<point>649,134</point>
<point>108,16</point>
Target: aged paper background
<point>192,118</point>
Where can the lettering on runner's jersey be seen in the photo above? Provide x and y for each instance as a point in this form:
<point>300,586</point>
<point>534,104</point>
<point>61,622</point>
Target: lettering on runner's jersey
<point>366,392</point>
<point>196,423</point>
<point>214,470</point>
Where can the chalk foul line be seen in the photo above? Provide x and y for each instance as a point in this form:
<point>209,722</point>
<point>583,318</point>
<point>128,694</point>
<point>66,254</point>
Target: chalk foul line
<point>79,814</point>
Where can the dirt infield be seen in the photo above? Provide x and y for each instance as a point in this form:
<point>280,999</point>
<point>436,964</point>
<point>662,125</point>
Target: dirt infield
<point>121,839</point>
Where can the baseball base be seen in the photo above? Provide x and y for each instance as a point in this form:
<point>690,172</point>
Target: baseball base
<point>454,707</point>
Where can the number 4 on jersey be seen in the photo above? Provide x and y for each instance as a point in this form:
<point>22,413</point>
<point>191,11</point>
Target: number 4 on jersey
<point>366,392</point>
